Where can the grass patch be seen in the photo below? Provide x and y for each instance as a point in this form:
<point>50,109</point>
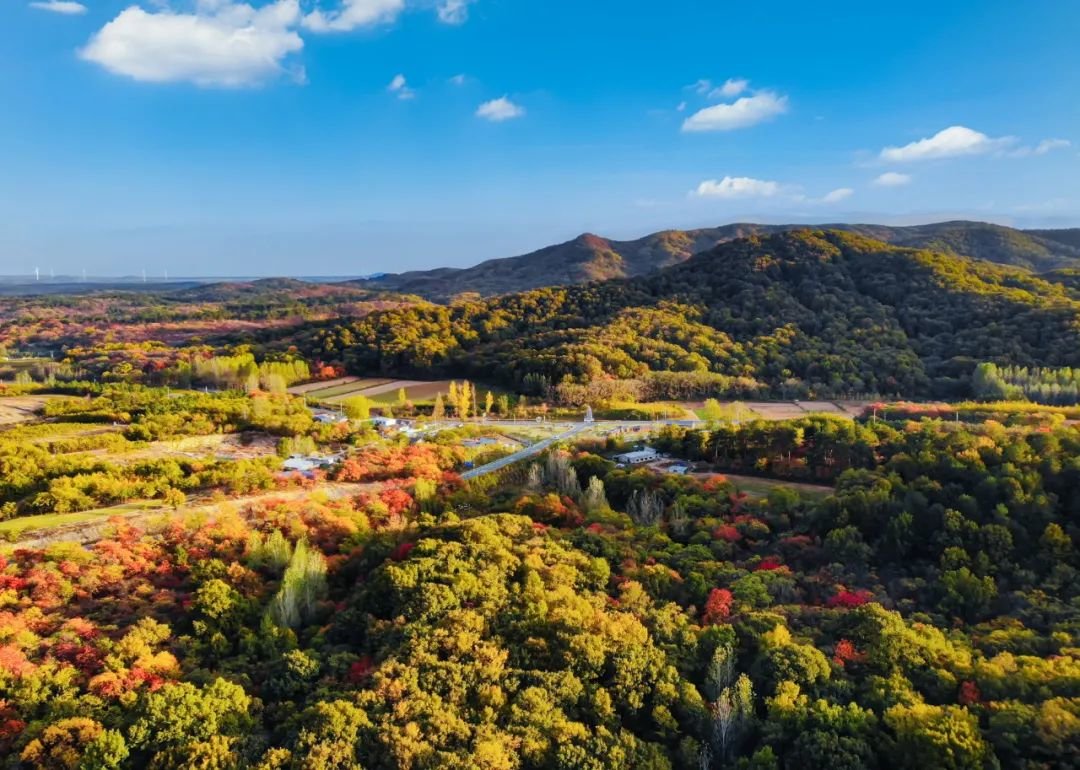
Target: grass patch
<point>760,487</point>
<point>14,528</point>
<point>651,410</point>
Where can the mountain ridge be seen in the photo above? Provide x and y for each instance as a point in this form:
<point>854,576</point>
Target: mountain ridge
<point>811,312</point>
<point>590,257</point>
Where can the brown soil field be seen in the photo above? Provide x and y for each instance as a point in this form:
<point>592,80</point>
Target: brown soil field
<point>15,409</point>
<point>299,390</point>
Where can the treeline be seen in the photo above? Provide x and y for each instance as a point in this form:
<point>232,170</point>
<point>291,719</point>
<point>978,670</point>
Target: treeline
<point>822,314</point>
<point>1056,386</point>
<point>157,364</point>
<point>653,386</point>
<point>241,372</point>
<point>153,414</point>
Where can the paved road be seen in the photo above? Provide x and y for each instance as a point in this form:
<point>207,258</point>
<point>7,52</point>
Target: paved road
<point>525,453</point>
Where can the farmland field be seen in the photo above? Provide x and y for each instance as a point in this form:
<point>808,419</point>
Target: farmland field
<point>790,410</point>
<point>382,390</point>
<point>416,391</point>
<point>352,388</point>
<point>300,390</point>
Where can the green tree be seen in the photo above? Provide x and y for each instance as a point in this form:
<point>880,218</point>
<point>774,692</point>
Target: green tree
<point>945,737</point>
<point>357,407</point>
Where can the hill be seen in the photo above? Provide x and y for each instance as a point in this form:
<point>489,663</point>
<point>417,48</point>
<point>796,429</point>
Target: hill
<point>1070,237</point>
<point>821,312</point>
<point>592,257</point>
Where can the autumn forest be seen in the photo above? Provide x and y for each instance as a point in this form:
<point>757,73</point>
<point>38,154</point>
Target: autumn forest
<point>823,513</point>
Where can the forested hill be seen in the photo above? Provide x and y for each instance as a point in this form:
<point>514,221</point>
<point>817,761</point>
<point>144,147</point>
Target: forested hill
<point>593,258</point>
<point>1069,237</point>
<point>814,312</point>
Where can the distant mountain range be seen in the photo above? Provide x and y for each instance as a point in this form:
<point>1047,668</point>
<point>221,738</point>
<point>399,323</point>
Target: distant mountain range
<point>593,258</point>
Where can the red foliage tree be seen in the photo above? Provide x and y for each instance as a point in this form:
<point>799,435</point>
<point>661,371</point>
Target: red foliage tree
<point>846,652</point>
<point>969,693</point>
<point>850,599</point>
<point>717,606</point>
<point>728,533</point>
<point>361,669</point>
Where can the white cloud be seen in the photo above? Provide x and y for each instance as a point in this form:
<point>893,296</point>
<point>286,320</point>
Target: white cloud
<point>220,44</point>
<point>66,7</point>
<point>742,187</point>
<point>1042,148</point>
<point>453,11</point>
<point>353,14</point>
<point>498,110</point>
<point>702,86</point>
<point>458,80</point>
<point>892,179</point>
<point>680,107</point>
<point>731,187</point>
<point>949,143</point>
<point>400,87</point>
<point>837,195</point>
<point>732,87</point>
<point>742,113</point>
<point>1049,145</point>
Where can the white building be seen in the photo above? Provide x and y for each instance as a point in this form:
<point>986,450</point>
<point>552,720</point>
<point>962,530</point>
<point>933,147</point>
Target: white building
<point>299,464</point>
<point>308,463</point>
<point>638,456</point>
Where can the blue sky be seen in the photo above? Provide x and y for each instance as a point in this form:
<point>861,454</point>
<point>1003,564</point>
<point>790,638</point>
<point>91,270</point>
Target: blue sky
<point>209,137</point>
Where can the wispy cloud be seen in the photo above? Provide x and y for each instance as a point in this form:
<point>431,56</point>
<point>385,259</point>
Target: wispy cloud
<point>498,110</point>
<point>458,80</point>
<point>1042,148</point>
<point>400,87</point>
<point>1049,145</point>
<point>220,44</point>
<point>353,14</point>
<point>742,113</point>
<point>744,187</point>
<point>952,142</point>
<point>892,179</point>
<point>66,7</point>
<point>837,195</point>
<point>732,87</point>
<point>453,11</point>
